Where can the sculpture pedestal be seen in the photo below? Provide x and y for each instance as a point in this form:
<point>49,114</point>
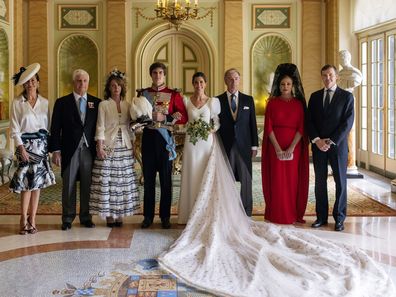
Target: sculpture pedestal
<point>352,172</point>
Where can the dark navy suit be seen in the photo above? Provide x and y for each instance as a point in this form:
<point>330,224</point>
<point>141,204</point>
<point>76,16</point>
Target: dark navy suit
<point>238,137</point>
<point>334,123</point>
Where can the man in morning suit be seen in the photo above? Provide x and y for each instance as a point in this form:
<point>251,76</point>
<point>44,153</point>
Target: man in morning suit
<point>238,132</point>
<point>158,149</point>
<point>330,118</point>
<point>73,146</point>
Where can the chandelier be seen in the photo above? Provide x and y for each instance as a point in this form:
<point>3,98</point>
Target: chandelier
<point>176,12</point>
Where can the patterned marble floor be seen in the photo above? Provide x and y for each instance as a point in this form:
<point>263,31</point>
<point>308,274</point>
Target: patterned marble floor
<point>118,261</point>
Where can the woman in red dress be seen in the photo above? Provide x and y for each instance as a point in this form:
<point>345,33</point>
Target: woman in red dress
<point>285,161</point>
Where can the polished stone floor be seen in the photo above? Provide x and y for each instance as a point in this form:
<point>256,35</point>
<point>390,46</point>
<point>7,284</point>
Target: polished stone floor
<point>31,261</point>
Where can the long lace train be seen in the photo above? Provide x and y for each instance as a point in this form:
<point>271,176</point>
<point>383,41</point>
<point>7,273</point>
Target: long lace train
<point>224,252</point>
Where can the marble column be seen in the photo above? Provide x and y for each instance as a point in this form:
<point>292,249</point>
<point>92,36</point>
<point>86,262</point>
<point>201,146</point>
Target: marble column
<point>116,35</point>
<point>233,36</point>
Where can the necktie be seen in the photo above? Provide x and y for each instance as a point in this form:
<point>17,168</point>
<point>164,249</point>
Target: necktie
<point>327,100</point>
<point>83,106</point>
<point>233,103</point>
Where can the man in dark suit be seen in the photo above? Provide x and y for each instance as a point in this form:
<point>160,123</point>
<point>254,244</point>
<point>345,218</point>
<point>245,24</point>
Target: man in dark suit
<point>72,143</point>
<point>330,118</point>
<point>238,132</point>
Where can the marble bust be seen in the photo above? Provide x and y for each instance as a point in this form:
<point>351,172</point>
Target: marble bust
<point>349,76</point>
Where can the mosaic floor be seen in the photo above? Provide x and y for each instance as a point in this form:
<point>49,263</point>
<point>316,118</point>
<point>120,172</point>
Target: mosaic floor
<point>121,261</point>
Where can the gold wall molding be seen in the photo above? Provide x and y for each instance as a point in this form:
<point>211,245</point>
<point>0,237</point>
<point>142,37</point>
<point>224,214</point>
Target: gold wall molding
<point>38,40</point>
<point>233,36</point>
<point>116,35</point>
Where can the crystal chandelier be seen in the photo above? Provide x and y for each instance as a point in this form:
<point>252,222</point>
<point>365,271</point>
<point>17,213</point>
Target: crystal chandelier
<point>176,12</point>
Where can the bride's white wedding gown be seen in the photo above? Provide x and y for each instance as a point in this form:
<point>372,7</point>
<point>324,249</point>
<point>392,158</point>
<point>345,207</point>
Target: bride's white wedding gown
<point>224,252</point>
<point>196,156</point>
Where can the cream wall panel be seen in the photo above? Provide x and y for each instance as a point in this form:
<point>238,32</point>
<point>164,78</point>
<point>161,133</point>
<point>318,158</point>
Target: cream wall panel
<point>311,45</point>
<point>38,40</point>
<point>116,35</point>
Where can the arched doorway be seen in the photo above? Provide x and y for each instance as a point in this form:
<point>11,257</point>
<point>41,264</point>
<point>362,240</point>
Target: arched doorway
<point>184,52</point>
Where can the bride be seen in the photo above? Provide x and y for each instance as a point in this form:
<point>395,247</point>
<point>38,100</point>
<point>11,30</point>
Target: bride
<point>224,252</point>
<point>196,155</point>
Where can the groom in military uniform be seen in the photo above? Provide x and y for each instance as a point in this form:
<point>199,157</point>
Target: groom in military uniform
<point>158,148</point>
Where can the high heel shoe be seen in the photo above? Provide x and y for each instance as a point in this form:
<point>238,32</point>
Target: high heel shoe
<point>23,226</point>
<point>24,230</point>
<point>32,229</point>
<point>110,222</point>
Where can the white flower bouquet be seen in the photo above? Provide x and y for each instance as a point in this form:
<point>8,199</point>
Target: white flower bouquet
<point>199,129</point>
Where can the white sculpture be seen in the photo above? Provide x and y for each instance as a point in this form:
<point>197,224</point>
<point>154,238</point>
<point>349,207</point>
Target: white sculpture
<point>349,76</point>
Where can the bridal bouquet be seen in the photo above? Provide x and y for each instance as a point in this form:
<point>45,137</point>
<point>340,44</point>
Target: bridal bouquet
<point>199,129</point>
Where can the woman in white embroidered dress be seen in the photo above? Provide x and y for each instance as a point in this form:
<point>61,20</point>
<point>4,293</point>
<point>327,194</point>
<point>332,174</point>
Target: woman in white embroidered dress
<point>224,252</point>
<point>196,156</point>
<point>29,129</point>
<point>114,190</point>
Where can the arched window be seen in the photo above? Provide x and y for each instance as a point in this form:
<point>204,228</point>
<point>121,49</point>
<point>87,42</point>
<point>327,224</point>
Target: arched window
<point>77,52</point>
<point>267,53</point>
<point>4,76</point>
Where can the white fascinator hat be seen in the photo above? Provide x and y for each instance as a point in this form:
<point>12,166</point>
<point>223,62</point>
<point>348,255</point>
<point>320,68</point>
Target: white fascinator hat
<point>25,74</point>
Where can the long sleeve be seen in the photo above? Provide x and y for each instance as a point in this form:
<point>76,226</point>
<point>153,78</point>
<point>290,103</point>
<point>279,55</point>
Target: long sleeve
<point>253,124</point>
<point>346,122</point>
<point>15,127</point>
<point>100,123</point>
<point>56,127</point>
<point>177,105</point>
<point>215,109</point>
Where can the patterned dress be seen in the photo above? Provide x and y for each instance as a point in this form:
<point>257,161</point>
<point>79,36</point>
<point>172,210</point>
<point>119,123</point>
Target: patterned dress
<point>114,190</point>
<point>29,127</point>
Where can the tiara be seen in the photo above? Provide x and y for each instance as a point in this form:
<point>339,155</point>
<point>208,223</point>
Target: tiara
<point>117,73</point>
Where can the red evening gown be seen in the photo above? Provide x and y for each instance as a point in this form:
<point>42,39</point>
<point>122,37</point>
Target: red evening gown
<point>285,183</point>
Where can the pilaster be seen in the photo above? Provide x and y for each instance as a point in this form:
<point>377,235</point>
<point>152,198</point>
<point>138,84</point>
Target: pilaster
<point>38,40</point>
<point>311,45</point>
<point>233,35</point>
<point>116,35</point>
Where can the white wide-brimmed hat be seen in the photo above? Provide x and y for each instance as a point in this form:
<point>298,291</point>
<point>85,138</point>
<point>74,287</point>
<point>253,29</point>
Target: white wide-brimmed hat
<point>25,74</point>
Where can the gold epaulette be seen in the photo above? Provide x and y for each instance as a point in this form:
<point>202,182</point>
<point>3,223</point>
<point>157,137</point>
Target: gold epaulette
<point>139,92</point>
<point>177,90</point>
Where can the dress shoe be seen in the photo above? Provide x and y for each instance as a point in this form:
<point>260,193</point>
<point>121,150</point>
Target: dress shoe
<point>66,226</point>
<point>339,226</point>
<point>88,224</point>
<point>118,223</point>
<point>165,223</point>
<point>318,223</point>
<point>146,223</point>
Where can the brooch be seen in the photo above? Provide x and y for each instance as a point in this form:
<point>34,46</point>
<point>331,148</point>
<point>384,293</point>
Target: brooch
<point>91,105</point>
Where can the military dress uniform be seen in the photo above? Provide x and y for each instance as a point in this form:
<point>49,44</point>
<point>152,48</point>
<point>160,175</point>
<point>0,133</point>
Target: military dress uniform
<point>157,154</point>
